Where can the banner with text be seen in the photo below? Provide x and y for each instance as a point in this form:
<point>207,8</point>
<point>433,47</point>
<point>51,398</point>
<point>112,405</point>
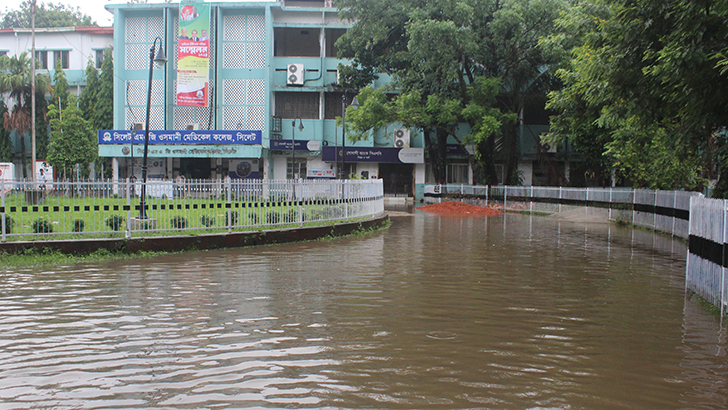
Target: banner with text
<point>180,137</point>
<point>193,61</point>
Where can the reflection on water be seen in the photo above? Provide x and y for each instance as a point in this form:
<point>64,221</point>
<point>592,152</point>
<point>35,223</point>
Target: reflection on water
<point>511,312</point>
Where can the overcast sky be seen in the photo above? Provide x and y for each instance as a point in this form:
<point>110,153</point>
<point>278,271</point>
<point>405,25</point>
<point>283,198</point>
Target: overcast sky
<point>94,8</point>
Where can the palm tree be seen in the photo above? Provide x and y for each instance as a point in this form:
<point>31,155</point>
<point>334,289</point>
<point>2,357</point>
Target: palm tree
<point>15,81</point>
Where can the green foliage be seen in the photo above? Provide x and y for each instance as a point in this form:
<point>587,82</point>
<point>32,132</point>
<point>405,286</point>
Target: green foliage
<point>178,222</point>
<point>103,116</point>
<point>73,141</point>
<point>88,99</point>
<point>436,52</point>
<point>47,15</point>
<point>78,225</point>
<point>6,146</point>
<point>114,222</point>
<point>207,221</point>
<point>635,95</point>
<point>232,218</point>
<point>9,223</point>
<point>60,87</point>
<point>273,217</point>
<point>42,225</point>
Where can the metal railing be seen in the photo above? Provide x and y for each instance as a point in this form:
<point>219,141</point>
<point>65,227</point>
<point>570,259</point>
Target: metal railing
<point>665,211</point>
<point>55,210</point>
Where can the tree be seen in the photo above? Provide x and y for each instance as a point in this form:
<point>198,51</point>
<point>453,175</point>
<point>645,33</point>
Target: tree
<point>6,146</point>
<point>89,96</point>
<point>60,87</point>
<point>73,140</point>
<point>635,90</point>
<point>47,15</point>
<point>103,116</point>
<point>440,48</point>
<point>15,80</point>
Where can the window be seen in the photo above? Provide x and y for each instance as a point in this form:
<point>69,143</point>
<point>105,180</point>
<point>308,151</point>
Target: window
<point>457,173</point>
<point>99,58</point>
<point>332,35</point>
<point>297,104</point>
<point>300,168</point>
<point>298,42</point>
<point>41,58</point>
<point>62,56</point>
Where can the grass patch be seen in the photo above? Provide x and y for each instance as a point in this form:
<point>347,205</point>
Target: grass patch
<point>39,257</point>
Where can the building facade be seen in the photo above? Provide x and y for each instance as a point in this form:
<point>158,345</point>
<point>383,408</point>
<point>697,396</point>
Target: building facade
<point>273,77</point>
<point>74,47</point>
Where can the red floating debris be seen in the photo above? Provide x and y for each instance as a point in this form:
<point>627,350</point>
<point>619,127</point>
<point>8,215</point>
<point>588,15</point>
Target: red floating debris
<point>460,209</point>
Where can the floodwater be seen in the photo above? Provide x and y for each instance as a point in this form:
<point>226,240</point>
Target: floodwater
<point>508,312</point>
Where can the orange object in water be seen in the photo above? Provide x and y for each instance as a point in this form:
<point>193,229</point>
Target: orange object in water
<point>459,208</point>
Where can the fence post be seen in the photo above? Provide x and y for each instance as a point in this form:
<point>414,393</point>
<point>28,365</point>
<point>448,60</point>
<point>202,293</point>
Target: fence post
<point>229,190</point>
<point>127,188</point>
<point>2,203</point>
<point>530,202</point>
<point>505,197</point>
<point>722,268</point>
<point>610,203</point>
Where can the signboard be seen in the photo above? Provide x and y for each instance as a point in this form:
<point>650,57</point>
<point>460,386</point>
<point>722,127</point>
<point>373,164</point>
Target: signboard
<point>320,173</point>
<point>7,175</point>
<point>301,145</point>
<point>244,169</point>
<point>182,151</point>
<point>375,154</point>
<point>180,137</point>
<point>193,62</point>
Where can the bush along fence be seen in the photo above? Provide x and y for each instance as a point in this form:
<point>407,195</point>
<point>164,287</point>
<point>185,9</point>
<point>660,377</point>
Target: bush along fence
<point>689,215</point>
<point>102,209</point>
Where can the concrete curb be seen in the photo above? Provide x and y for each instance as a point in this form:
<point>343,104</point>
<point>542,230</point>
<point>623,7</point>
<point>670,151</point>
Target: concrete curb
<point>198,242</point>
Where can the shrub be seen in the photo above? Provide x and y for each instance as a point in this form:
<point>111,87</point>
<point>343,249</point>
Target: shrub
<point>41,225</point>
<point>9,223</point>
<point>207,220</point>
<point>179,222</point>
<point>232,218</point>
<point>78,225</point>
<point>292,215</point>
<point>254,219</point>
<point>273,217</point>
<point>114,222</point>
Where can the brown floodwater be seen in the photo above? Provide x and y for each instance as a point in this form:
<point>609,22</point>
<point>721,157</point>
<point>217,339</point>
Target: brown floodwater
<point>507,312</point>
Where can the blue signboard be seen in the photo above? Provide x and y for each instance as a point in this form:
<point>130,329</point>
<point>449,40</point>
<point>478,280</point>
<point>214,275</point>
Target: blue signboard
<point>375,154</point>
<point>183,137</point>
<point>301,145</point>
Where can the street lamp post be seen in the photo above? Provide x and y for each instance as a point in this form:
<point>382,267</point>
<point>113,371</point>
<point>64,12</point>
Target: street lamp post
<point>293,151</point>
<point>354,105</point>
<point>160,58</point>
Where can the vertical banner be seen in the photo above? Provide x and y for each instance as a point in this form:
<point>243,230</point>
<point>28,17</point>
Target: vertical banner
<point>193,63</point>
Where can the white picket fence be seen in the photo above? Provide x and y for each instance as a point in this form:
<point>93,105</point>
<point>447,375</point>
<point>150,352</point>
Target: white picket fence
<point>37,211</point>
<point>706,265</point>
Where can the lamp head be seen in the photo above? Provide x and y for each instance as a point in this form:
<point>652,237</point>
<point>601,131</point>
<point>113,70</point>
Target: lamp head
<point>160,59</point>
<point>300,125</point>
<point>354,103</point>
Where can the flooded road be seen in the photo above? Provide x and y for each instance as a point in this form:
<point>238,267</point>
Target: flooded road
<point>508,312</point>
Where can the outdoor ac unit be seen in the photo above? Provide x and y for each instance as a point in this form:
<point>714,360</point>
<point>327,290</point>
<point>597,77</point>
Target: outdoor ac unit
<point>401,138</point>
<point>294,74</point>
<point>138,126</point>
<point>192,127</point>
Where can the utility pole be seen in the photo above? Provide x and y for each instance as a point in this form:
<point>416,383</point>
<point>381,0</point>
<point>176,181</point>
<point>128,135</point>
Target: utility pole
<point>32,91</point>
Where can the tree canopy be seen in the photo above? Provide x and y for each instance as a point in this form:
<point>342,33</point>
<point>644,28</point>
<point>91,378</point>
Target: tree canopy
<point>437,51</point>
<point>47,15</point>
<point>73,141</point>
<point>644,92</point>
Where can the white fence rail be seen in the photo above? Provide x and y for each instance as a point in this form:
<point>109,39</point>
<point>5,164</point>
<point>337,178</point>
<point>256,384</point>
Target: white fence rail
<point>34,211</point>
<point>707,259</point>
<point>665,211</point>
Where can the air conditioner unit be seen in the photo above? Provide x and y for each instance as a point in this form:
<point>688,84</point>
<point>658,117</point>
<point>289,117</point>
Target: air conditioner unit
<point>294,74</point>
<point>192,127</point>
<point>401,138</point>
<point>138,126</point>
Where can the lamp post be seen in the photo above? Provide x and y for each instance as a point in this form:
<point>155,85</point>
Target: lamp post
<point>160,58</point>
<point>293,152</point>
<point>293,147</point>
<point>354,105</point>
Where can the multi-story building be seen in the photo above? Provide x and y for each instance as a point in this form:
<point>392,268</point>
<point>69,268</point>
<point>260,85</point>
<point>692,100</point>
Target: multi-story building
<point>273,77</point>
<point>74,47</point>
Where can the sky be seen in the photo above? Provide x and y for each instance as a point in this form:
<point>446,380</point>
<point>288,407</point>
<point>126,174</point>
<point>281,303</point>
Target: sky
<point>94,8</point>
